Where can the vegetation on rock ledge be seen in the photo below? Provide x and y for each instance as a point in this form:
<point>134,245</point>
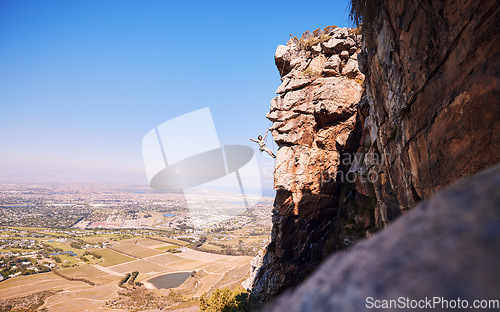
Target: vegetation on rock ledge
<point>309,39</point>
<point>226,300</point>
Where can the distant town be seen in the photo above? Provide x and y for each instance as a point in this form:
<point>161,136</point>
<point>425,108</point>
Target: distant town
<point>48,226</point>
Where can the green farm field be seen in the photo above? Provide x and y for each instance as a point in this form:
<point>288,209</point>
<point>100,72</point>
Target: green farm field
<point>111,257</point>
<point>137,251</point>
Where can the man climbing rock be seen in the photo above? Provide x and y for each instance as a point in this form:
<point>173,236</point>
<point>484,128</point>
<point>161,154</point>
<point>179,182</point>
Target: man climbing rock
<point>262,144</point>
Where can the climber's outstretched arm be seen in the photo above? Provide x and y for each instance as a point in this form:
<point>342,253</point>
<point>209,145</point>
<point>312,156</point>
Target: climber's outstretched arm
<point>266,134</point>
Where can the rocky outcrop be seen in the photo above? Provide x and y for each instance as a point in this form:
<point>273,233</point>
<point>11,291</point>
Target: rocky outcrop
<point>446,247</point>
<point>315,126</point>
<point>351,162</point>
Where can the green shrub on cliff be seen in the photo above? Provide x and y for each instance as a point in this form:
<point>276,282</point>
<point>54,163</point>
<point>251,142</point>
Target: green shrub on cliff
<point>225,300</point>
<point>309,39</point>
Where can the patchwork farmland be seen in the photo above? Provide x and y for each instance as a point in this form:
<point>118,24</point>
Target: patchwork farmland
<point>149,257</point>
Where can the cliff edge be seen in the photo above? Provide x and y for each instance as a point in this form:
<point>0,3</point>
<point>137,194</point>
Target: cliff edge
<point>315,124</point>
<point>369,126</point>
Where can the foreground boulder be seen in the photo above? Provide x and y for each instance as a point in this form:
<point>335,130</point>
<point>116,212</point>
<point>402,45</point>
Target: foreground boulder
<point>446,247</point>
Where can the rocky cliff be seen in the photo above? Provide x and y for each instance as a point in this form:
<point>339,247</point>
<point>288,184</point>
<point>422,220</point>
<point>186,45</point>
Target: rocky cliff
<point>433,92</point>
<point>317,128</point>
<point>355,151</point>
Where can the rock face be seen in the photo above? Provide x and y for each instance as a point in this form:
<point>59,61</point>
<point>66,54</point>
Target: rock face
<point>446,247</point>
<point>356,155</point>
<point>315,125</point>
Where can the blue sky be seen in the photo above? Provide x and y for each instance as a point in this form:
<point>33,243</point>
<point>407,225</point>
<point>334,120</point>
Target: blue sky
<point>81,82</point>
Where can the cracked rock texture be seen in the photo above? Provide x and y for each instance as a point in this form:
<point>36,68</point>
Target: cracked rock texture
<point>432,84</point>
<point>416,99</point>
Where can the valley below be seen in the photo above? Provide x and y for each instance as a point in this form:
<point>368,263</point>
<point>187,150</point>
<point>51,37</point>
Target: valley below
<point>113,264</point>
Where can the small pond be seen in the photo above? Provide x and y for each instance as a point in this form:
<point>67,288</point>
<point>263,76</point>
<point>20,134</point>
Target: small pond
<point>170,280</point>
<point>169,215</point>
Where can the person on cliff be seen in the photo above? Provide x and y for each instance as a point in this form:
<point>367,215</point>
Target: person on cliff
<point>262,144</point>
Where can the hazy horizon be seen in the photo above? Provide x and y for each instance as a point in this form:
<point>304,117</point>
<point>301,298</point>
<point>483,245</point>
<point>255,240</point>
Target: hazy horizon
<point>83,82</point>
